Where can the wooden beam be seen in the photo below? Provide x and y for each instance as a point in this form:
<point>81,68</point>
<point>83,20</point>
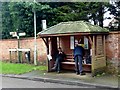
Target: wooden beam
<point>44,41</point>
<point>93,56</point>
<point>104,46</point>
<point>93,47</point>
<point>75,33</point>
<point>59,42</point>
<point>90,40</point>
<point>10,56</point>
<point>47,44</point>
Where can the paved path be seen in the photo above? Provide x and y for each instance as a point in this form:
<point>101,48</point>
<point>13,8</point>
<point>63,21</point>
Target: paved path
<point>107,80</point>
<point>65,78</point>
<point>23,83</point>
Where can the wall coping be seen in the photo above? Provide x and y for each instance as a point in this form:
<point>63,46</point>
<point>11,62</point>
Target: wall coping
<point>114,32</point>
<point>25,38</point>
<point>22,38</point>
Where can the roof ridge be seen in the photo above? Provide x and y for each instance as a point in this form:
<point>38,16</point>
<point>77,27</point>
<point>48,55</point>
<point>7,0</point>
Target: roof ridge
<point>51,27</point>
<point>73,21</point>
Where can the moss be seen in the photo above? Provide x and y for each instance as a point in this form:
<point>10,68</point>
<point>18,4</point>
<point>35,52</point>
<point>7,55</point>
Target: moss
<point>73,27</point>
<point>111,68</point>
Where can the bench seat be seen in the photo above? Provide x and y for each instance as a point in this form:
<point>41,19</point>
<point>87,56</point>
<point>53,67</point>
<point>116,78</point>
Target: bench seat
<point>69,64</point>
<point>73,63</point>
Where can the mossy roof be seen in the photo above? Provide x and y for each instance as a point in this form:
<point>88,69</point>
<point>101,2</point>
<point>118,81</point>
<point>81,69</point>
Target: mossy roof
<point>72,27</point>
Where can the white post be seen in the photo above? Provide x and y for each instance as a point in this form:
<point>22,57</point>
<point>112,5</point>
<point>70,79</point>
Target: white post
<point>44,26</point>
<point>35,44</point>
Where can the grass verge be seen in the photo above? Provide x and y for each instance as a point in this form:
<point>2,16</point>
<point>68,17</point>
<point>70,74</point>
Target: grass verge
<point>17,68</point>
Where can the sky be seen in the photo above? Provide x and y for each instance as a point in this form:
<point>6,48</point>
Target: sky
<point>107,21</point>
<point>106,15</point>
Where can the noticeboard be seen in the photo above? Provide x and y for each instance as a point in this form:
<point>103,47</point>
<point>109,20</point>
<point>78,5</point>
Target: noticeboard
<point>71,42</point>
<point>86,43</point>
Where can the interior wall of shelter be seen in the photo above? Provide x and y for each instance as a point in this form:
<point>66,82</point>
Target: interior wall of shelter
<point>65,44</point>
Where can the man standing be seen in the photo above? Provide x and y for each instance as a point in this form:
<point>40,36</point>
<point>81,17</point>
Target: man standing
<point>78,56</point>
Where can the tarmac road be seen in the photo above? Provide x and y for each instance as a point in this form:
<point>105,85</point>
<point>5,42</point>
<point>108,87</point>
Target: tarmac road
<point>23,83</point>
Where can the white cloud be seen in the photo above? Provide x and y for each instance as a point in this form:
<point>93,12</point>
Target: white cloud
<point>106,20</point>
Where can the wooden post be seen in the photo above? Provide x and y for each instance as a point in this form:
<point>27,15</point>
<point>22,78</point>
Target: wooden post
<point>93,55</point>
<point>59,42</point>
<point>104,47</point>
<point>90,40</point>
<point>15,56</point>
<point>48,62</point>
<point>20,52</point>
<point>10,56</point>
<point>46,41</point>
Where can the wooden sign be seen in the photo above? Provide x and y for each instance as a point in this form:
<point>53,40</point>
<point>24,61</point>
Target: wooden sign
<point>85,42</point>
<point>22,34</point>
<point>71,42</point>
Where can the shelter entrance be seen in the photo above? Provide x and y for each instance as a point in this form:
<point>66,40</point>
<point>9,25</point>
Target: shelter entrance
<point>94,59</point>
<point>67,45</point>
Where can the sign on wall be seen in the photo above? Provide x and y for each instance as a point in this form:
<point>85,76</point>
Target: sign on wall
<point>85,42</point>
<point>72,42</point>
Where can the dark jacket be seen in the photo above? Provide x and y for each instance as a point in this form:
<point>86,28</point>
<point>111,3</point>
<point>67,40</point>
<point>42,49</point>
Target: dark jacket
<point>78,50</point>
<point>60,56</point>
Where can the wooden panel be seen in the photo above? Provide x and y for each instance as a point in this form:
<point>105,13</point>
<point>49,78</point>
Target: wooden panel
<point>69,64</point>
<point>99,49</point>
<point>98,58</point>
<point>65,44</point>
<point>99,62</point>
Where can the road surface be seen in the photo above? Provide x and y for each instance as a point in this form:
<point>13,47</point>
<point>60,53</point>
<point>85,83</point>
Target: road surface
<point>23,83</point>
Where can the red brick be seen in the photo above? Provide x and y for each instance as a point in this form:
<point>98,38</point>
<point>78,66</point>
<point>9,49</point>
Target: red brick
<point>24,43</point>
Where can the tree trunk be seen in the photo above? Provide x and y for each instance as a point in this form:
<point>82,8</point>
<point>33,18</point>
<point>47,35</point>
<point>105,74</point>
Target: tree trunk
<point>100,16</point>
<point>94,19</point>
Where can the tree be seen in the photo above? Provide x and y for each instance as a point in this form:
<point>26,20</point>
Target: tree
<point>114,8</point>
<point>66,11</point>
<point>19,15</point>
<point>6,21</point>
<point>96,12</point>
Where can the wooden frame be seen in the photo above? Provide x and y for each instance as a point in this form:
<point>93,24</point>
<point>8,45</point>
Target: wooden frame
<point>96,59</point>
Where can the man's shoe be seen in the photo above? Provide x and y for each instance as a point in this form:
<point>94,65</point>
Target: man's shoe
<point>53,69</point>
<point>58,71</point>
<point>82,73</point>
<point>77,73</point>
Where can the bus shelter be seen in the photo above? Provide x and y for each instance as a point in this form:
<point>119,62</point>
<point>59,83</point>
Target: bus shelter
<point>64,35</point>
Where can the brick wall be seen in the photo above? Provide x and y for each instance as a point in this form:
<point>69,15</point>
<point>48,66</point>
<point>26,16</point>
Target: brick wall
<point>24,43</point>
<point>113,51</point>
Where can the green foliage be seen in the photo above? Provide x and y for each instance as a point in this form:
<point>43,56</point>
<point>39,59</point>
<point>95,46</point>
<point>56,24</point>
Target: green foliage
<point>19,15</point>
<point>115,9</point>
<point>102,74</point>
<point>6,20</point>
<point>12,68</point>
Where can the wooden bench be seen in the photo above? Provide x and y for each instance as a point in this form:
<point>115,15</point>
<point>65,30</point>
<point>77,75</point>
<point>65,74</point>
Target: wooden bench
<point>69,64</point>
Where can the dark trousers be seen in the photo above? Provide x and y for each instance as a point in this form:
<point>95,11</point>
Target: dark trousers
<point>58,64</point>
<point>78,63</point>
